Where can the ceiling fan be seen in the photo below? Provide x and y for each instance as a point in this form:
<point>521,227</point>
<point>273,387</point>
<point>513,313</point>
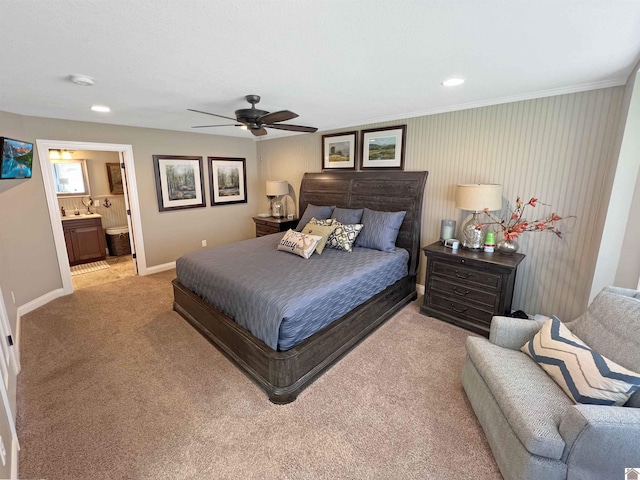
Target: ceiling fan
<point>257,120</point>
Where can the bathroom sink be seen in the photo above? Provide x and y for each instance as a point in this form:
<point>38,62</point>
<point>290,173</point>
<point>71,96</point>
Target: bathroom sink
<point>82,215</point>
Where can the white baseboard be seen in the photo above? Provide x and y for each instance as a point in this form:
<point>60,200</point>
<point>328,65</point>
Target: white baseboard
<point>30,307</point>
<point>158,268</point>
<point>420,289</point>
<point>14,458</point>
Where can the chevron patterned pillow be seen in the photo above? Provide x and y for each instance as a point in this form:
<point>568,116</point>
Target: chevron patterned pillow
<point>583,374</point>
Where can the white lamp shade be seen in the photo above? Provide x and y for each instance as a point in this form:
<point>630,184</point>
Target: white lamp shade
<point>477,197</point>
<point>276,188</point>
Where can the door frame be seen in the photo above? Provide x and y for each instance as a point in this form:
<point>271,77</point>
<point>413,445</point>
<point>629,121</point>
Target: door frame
<point>130,193</point>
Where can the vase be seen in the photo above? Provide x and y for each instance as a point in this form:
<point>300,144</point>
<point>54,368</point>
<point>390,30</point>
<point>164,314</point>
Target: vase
<point>507,247</point>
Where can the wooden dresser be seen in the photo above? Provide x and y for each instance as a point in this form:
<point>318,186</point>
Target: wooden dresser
<point>269,225</point>
<point>467,287</point>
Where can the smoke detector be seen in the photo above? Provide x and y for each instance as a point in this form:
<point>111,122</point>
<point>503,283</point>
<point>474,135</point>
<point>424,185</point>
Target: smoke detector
<point>82,80</point>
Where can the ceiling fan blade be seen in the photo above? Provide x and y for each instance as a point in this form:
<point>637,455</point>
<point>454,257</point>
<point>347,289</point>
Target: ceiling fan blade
<point>258,132</point>
<point>228,125</point>
<point>281,116</point>
<point>293,128</point>
<point>214,114</point>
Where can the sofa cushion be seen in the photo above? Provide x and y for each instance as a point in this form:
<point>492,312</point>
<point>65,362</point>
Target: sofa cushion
<point>584,374</point>
<point>530,400</point>
<point>611,325</point>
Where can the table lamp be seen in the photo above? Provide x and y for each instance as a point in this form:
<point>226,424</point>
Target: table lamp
<point>275,190</point>
<point>476,198</point>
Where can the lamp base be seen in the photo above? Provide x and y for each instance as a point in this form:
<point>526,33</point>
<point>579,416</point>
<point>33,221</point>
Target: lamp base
<point>472,234</point>
<point>277,209</point>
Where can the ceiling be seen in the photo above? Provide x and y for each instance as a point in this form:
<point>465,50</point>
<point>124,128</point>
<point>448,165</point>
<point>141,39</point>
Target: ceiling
<point>335,63</point>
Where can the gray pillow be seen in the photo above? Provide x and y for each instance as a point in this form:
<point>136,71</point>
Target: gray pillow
<point>380,230</point>
<point>319,212</point>
<point>347,216</point>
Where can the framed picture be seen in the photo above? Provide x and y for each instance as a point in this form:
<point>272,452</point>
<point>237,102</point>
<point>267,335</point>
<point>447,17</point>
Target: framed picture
<point>115,178</point>
<point>179,182</point>
<point>227,180</point>
<point>16,158</point>
<point>339,151</point>
<point>383,148</point>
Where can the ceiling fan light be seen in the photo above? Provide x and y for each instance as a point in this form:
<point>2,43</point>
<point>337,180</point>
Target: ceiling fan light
<point>243,127</point>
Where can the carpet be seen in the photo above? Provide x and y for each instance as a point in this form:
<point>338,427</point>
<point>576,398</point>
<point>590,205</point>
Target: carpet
<point>114,384</point>
<point>88,267</point>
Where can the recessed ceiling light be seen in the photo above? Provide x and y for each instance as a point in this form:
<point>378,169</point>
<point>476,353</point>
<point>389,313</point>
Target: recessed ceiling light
<point>453,82</point>
<point>100,108</point>
<point>83,80</point>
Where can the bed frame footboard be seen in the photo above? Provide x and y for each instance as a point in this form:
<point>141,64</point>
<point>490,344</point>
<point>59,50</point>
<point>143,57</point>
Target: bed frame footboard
<point>283,375</point>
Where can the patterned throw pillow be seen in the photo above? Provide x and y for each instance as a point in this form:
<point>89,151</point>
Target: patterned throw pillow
<point>583,374</point>
<point>299,243</point>
<point>323,231</point>
<point>343,236</point>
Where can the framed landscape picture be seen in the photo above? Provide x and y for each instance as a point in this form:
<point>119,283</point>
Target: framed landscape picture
<point>383,148</point>
<point>179,182</point>
<point>227,180</point>
<point>339,151</point>
<point>115,178</point>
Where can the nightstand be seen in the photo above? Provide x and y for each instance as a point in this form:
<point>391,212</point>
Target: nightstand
<point>468,287</point>
<point>269,225</point>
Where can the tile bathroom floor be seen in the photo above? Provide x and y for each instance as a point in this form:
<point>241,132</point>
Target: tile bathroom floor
<point>120,267</point>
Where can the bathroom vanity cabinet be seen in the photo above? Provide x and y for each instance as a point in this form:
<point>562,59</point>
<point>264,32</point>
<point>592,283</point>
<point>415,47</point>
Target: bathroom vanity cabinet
<point>84,238</point>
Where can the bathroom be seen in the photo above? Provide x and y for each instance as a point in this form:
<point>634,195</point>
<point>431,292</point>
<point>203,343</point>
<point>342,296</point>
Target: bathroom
<point>90,182</point>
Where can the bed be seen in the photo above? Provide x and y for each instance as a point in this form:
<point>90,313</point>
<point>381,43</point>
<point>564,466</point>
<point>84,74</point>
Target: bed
<point>285,365</point>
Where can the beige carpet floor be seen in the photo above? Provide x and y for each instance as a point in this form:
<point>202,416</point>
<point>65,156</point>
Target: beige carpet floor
<point>115,385</point>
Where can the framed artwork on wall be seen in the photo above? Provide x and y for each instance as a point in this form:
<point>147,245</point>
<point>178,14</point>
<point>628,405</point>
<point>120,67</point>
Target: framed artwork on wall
<point>339,151</point>
<point>179,182</point>
<point>115,178</point>
<point>227,180</point>
<point>383,148</point>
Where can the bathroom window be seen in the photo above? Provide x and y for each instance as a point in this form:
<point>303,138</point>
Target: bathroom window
<point>70,178</point>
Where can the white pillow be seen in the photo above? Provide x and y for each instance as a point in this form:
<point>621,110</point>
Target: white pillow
<point>583,374</point>
<point>301,244</point>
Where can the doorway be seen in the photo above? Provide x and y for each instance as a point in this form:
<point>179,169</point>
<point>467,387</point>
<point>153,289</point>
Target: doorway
<point>125,153</point>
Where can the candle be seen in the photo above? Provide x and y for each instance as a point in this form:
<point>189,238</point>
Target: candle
<point>447,229</point>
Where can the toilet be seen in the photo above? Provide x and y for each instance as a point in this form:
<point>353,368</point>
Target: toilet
<point>118,241</point>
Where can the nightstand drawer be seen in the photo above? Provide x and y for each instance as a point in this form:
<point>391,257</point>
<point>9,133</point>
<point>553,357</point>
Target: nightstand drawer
<point>462,309</point>
<point>266,229</point>
<point>463,292</point>
<point>464,274</point>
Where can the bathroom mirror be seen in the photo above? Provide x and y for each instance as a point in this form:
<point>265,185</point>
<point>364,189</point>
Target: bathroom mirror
<point>70,178</point>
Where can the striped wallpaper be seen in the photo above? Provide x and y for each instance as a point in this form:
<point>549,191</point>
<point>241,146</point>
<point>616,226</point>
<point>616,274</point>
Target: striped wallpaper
<point>559,149</point>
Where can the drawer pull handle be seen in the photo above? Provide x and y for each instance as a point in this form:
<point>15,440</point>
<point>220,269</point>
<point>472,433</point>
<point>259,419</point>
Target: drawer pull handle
<point>458,292</point>
<point>459,311</point>
<point>460,275</point>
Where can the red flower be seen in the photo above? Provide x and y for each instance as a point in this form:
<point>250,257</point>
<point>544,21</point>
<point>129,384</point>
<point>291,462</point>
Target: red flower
<point>533,201</point>
<point>541,225</point>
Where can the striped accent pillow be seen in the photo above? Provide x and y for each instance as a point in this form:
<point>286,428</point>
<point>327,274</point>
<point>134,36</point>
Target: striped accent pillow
<point>583,374</point>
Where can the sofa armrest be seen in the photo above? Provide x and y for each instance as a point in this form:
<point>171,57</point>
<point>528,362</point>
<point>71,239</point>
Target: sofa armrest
<point>512,333</point>
<point>600,440</point>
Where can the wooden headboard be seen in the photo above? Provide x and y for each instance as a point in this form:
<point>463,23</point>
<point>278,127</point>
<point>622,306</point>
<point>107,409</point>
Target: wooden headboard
<point>387,191</point>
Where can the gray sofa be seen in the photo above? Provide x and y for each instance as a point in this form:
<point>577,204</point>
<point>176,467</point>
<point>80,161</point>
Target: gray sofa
<point>534,429</point>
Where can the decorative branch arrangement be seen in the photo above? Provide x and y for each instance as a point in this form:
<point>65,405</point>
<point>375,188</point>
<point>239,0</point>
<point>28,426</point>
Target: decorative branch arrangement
<point>516,224</point>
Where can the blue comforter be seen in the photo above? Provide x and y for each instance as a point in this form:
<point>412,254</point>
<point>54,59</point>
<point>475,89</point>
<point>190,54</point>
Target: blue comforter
<point>282,298</point>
